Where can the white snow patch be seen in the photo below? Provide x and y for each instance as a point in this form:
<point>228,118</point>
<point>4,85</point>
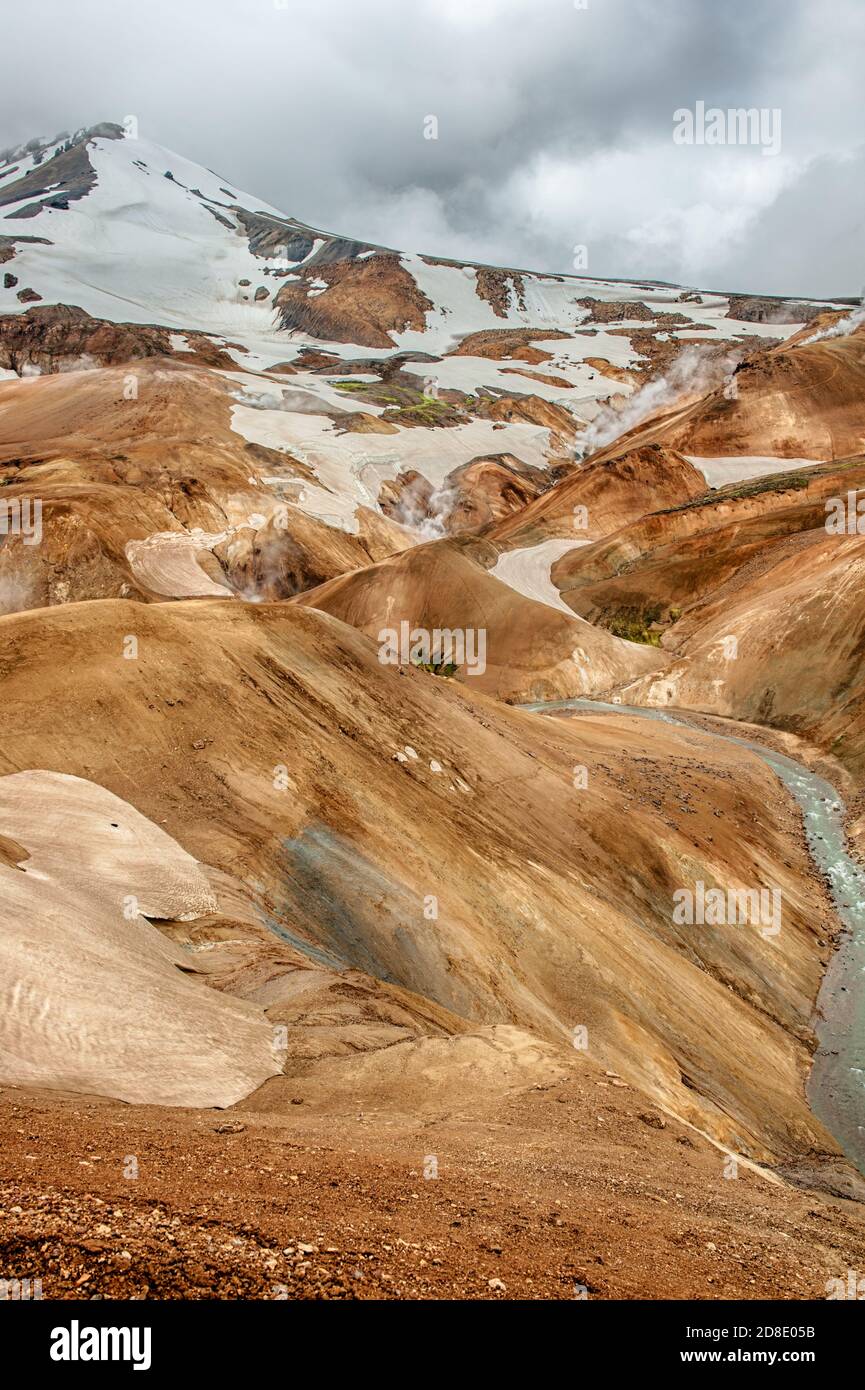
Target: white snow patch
<point>93,1000</point>
<point>166,563</point>
<point>527,570</point>
<point>738,468</point>
<point>514,376</point>
<point>351,468</point>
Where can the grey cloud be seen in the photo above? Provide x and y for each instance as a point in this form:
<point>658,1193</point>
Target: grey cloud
<point>319,110</point>
<point>812,238</point>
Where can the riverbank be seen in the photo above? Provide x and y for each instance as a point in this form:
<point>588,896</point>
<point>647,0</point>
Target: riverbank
<point>836,1084</point>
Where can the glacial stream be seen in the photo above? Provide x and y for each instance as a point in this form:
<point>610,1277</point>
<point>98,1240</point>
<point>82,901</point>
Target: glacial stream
<point>836,1086</point>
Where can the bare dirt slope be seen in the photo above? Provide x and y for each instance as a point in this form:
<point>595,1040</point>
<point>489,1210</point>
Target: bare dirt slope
<point>603,496</point>
<point>758,605</point>
<point>337,800</point>
<point>118,456</point>
<point>533,651</point>
<point>785,648</point>
<point>801,399</point>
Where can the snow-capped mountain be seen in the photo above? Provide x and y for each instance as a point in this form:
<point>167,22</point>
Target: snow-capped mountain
<point>387,378</point>
<point>132,232</point>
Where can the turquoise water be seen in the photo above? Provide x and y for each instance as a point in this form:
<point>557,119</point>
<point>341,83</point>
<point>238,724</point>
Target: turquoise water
<point>836,1086</point>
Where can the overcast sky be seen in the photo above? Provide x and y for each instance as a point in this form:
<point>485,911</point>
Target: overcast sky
<point>555,122</point>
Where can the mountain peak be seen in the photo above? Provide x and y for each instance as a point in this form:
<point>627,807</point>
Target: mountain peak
<point>38,149</point>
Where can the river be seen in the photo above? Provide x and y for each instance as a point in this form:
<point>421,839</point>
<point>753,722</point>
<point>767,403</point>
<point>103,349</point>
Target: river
<point>836,1085</point>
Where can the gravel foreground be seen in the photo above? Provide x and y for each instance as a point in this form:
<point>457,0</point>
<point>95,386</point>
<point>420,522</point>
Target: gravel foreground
<point>573,1190</point>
